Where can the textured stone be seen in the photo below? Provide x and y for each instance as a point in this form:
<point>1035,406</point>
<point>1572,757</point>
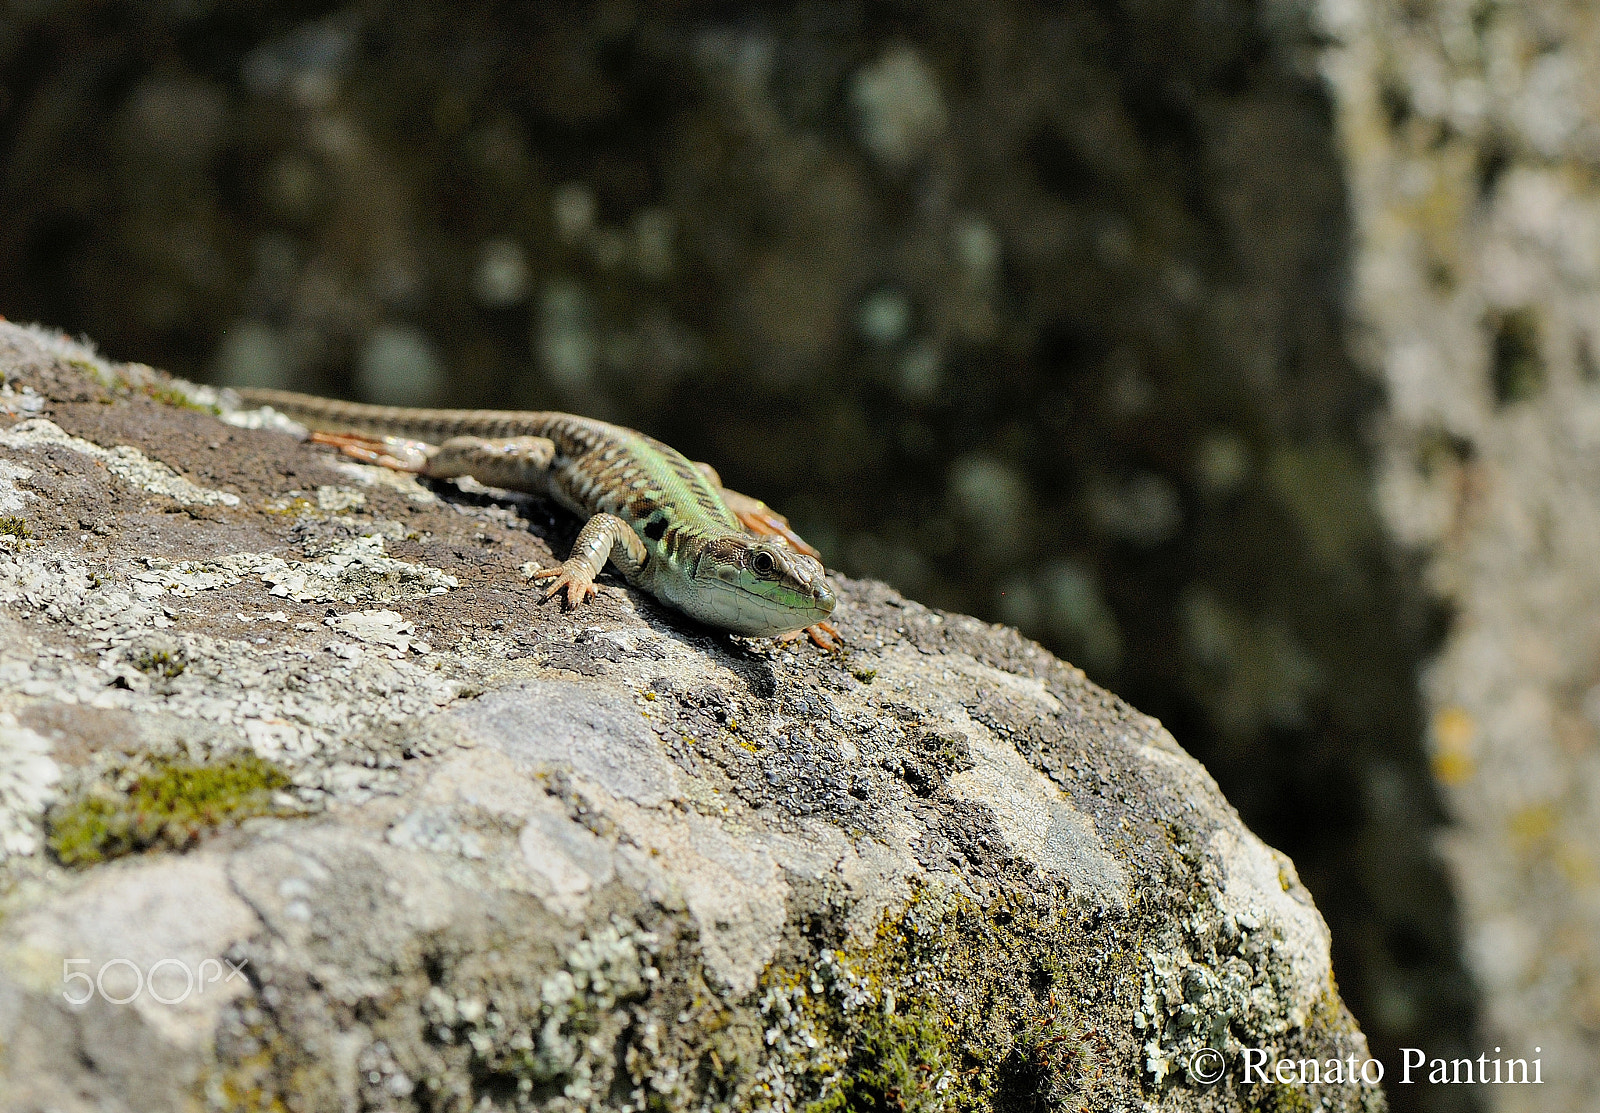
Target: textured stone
<point>1098,248</point>
<point>1472,146</point>
<point>604,859</point>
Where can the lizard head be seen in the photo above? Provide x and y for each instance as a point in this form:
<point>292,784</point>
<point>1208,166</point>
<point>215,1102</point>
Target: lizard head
<point>758,586</point>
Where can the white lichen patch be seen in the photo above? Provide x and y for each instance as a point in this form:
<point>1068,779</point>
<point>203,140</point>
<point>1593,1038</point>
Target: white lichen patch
<point>436,831</point>
<point>1262,885</point>
<point>107,644</point>
<point>58,345</point>
<point>28,777</point>
<point>353,571</point>
<point>1246,972</point>
<point>1037,821</point>
<point>184,579</point>
<point>797,1050</point>
<point>123,461</point>
<point>57,585</point>
<point>12,497</point>
<point>385,629</point>
<point>335,499</point>
<point>570,1029</point>
<point>370,475</point>
<point>263,418</point>
<point>1040,825</point>
<point>24,400</point>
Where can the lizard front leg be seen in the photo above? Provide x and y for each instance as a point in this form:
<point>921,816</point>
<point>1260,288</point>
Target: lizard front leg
<point>604,537</point>
<point>824,635</point>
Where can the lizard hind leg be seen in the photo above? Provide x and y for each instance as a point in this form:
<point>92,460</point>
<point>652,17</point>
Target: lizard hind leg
<point>389,452</point>
<point>756,516</point>
<point>517,463</point>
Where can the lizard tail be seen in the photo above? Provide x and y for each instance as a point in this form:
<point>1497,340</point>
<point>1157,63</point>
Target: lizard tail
<point>332,415</point>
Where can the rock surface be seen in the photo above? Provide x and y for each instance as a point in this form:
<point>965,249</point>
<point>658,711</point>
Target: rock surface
<point>357,824</point>
<point>1037,312</point>
<point>1472,144</point>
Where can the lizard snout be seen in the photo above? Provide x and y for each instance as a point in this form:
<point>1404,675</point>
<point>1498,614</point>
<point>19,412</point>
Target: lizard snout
<point>825,598</point>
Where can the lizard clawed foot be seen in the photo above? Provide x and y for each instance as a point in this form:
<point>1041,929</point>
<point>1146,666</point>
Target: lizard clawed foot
<point>578,582</point>
<point>822,635</point>
<point>388,452</point>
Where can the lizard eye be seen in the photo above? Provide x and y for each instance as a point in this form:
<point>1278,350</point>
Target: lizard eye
<point>763,562</point>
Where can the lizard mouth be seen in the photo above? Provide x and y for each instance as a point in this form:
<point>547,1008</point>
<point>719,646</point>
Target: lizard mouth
<point>742,610</point>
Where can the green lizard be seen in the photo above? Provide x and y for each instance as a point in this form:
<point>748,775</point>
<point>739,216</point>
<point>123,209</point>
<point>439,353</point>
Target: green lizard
<point>668,525</point>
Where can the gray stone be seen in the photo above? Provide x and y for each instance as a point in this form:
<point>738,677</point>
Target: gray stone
<point>522,858</point>
<point>1476,268</point>
<point>589,728</point>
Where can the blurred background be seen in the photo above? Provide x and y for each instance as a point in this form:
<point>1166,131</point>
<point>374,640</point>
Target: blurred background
<point>1172,332</point>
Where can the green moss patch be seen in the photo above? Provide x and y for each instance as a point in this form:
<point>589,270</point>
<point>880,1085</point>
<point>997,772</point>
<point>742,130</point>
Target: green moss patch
<point>897,1063</point>
<point>952,1007</point>
<point>167,663</point>
<point>172,396</point>
<point>172,805</point>
<point>12,526</point>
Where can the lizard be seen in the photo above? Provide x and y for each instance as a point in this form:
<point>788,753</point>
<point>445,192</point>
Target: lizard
<point>668,525</point>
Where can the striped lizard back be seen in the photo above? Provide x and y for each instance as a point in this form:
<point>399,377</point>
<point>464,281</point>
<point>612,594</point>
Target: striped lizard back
<point>598,466</point>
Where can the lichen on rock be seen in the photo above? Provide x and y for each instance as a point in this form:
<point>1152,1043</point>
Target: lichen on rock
<point>468,852</point>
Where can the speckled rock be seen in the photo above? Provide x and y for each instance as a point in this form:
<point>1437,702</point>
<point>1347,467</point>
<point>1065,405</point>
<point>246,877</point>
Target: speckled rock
<point>499,856</point>
<point>1473,141</point>
<point>1036,312</point>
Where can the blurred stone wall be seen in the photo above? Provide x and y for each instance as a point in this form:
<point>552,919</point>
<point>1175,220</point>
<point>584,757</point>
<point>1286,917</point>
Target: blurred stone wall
<point>1472,134</point>
<point>1038,312</point>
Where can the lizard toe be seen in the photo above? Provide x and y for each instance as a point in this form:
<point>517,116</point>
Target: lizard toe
<point>821,634</point>
<point>824,636</point>
<point>578,589</point>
